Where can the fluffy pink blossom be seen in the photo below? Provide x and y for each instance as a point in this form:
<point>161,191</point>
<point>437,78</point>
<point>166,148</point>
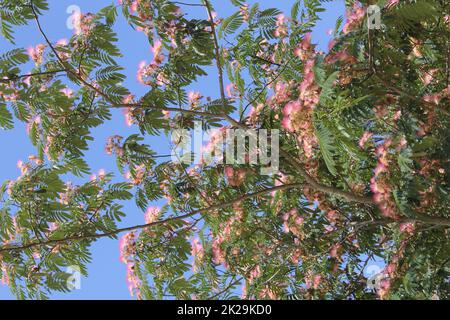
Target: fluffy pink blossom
<point>382,191</point>
<point>127,246</point>
<point>384,287</point>
<point>408,227</point>
<point>303,51</point>
<point>391,3</point>
<point>143,72</point>
<point>194,98</point>
<point>235,177</point>
<point>82,23</point>
<point>5,275</point>
<point>331,44</point>
<point>113,144</point>
<point>231,90</point>
<point>67,92</point>
<point>158,56</point>
<point>255,273</point>
<point>292,222</point>
<point>335,251</point>
<point>281,30</point>
<point>432,98</point>
<point>365,137</point>
<point>354,17</point>
<point>428,76</point>
<point>197,250</point>
<point>152,215</point>
<point>36,53</point>
<point>218,253</point>
<point>332,216</point>
<point>313,281</point>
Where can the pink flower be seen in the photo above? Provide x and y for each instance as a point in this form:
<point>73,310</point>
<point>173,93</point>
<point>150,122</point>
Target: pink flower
<point>158,57</point>
<point>255,273</point>
<point>354,17</point>
<point>407,227</point>
<point>428,76</point>
<point>281,30</point>
<point>234,177</point>
<point>432,98</point>
<point>313,281</point>
<point>365,137</point>
<point>152,215</point>
<point>142,72</point>
<point>128,99</point>
<point>218,253</point>
<point>67,92</point>
<point>281,92</point>
<point>391,3</point>
<point>133,282</point>
<point>76,22</point>
<point>134,6</point>
<point>62,42</point>
<point>331,44</point>
<point>36,53</point>
<point>316,281</point>
<point>197,249</point>
<point>127,246</point>
<point>5,275</point>
<point>334,251</point>
<point>332,216</point>
<point>128,114</point>
<point>194,98</point>
<point>101,174</point>
<point>385,285</point>
<point>231,90</point>
<point>303,51</point>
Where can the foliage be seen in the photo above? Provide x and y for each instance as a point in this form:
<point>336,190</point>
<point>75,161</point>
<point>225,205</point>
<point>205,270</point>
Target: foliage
<point>363,161</point>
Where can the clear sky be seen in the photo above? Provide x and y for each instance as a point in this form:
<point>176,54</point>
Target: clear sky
<point>106,278</point>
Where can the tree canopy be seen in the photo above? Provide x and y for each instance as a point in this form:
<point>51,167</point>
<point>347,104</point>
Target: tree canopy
<point>363,151</point>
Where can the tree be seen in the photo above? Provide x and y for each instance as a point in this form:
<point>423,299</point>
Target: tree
<point>363,162</point>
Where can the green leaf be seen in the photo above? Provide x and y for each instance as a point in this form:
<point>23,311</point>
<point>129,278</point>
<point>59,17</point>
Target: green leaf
<point>327,86</point>
<point>326,144</point>
<point>231,24</point>
<point>6,119</point>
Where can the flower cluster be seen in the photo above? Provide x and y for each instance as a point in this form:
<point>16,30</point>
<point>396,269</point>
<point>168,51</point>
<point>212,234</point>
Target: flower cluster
<point>232,227</point>
<point>297,115</point>
<point>282,30</point>
<point>137,176</point>
<point>292,222</point>
<point>114,144</point>
<point>379,184</point>
<point>235,177</point>
<point>83,23</point>
<point>354,17</point>
<point>146,71</point>
<point>36,53</point>
<point>127,247</point>
<point>152,215</point>
<point>197,253</point>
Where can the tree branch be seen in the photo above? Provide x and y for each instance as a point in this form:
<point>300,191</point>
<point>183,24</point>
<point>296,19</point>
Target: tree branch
<point>297,165</point>
<point>148,225</point>
<point>18,77</point>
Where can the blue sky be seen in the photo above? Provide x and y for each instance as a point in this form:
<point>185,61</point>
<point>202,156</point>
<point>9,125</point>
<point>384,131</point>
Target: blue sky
<point>106,278</point>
